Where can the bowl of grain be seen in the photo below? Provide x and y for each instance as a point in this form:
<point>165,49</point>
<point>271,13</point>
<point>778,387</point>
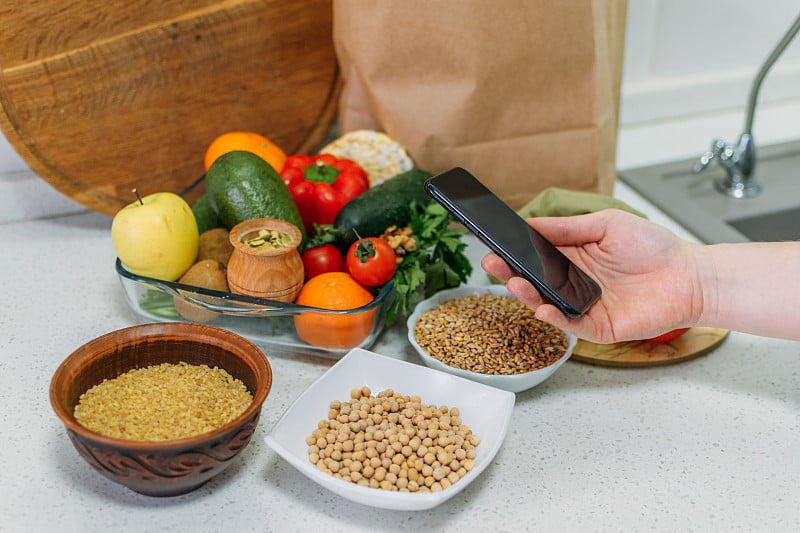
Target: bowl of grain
<point>162,408</point>
<point>485,334</point>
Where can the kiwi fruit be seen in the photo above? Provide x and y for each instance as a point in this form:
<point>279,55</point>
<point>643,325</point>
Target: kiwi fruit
<point>214,244</point>
<point>207,274</point>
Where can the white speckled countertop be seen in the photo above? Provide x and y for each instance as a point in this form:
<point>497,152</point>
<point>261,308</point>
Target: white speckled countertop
<point>707,445</point>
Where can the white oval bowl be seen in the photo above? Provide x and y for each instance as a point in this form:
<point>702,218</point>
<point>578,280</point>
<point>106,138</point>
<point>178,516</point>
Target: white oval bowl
<point>511,382</point>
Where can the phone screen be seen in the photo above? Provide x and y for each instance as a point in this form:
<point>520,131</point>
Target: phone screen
<point>507,234</point>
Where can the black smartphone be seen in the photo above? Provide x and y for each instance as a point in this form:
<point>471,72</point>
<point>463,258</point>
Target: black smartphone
<point>508,235</point>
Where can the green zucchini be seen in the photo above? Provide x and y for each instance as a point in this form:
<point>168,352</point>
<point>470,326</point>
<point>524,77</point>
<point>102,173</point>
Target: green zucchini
<point>383,205</point>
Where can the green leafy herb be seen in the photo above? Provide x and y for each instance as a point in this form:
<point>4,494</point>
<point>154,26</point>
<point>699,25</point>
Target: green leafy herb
<point>438,263</point>
<point>323,234</point>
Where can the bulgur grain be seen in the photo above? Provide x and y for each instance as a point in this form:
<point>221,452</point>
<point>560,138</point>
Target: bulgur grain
<point>489,334</point>
<point>163,402</point>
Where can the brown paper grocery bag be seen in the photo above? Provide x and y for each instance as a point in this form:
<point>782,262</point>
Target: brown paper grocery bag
<point>523,93</point>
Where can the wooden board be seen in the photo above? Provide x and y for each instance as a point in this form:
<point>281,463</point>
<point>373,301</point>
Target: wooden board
<point>100,96</point>
<point>693,343</point>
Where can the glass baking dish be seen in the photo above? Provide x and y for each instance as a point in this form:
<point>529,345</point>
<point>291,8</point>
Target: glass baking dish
<point>267,323</point>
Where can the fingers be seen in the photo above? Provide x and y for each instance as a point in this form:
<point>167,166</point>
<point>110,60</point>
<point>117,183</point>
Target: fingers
<point>525,292</point>
<point>495,266</point>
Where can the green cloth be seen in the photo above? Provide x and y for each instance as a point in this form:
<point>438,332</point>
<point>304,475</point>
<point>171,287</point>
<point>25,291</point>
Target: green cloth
<point>557,202</point>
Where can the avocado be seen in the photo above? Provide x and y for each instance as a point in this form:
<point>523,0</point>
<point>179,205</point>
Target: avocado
<point>242,186</point>
<point>205,216</point>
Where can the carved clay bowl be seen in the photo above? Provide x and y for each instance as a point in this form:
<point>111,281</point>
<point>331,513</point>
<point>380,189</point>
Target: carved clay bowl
<point>171,467</point>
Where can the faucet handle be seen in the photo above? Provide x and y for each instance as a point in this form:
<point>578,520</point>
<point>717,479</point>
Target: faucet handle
<point>719,150</point>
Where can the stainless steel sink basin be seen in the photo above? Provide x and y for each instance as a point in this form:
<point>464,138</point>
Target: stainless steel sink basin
<point>693,201</point>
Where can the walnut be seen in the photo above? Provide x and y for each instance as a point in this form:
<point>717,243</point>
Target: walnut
<point>401,240</point>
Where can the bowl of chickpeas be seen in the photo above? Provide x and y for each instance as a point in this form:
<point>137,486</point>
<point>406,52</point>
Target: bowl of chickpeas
<point>392,434</point>
<point>485,334</point>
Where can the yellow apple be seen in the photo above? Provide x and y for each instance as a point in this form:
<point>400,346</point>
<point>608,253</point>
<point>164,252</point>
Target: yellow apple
<point>156,236</point>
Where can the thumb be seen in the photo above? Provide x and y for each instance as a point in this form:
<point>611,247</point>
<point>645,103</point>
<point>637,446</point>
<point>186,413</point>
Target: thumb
<point>572,231</point>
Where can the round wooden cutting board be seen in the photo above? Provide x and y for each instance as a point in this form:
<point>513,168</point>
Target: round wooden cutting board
<point>693,343</point>
<point>101,96</point>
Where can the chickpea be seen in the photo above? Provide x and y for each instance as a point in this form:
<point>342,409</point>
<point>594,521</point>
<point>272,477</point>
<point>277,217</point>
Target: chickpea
<point>332,465</point>
<point>443,457</point>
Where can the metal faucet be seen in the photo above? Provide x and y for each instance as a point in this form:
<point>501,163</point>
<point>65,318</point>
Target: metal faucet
<point>740,160</point>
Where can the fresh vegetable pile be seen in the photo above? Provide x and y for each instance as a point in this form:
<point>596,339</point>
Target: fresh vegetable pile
<point>361,231</point>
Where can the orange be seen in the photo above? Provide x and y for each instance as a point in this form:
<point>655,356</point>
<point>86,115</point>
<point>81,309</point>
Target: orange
<point>339,291</point>
<point>247,141</point>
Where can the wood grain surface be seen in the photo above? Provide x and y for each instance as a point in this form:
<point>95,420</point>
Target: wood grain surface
<point>693,343</point>
<point>100,96</point>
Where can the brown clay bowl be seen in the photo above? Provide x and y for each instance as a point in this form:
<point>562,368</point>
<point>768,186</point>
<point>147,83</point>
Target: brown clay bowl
<point>172,467</point>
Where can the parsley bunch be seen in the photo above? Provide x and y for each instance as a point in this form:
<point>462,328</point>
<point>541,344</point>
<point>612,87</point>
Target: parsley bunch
<point>438,262</point>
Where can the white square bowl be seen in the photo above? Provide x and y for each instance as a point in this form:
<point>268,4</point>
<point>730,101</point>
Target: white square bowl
<point>510,382</point>
<point>486,410</point>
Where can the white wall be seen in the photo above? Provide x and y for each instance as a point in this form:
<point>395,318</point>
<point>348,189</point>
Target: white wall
<point>689,57</point>
<point>688,69</point>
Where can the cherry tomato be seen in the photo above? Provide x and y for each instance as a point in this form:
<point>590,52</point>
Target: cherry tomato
<point>321,259</point>
<point>371,261</point>
<point>668,336</point>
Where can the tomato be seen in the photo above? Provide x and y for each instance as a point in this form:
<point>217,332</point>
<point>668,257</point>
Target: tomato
<point>371,261</point>
<point>668,336</point>
<point>321,259</point>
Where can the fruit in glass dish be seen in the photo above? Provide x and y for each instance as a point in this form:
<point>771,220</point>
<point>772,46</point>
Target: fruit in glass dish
<point>334,291</point>
<point>156,236</point>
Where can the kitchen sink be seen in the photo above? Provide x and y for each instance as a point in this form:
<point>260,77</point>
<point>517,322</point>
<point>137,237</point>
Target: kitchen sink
<point>692,200</point>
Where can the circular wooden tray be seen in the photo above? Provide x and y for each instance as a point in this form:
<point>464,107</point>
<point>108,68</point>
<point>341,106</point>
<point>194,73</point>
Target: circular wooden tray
<point>102,96</point>
<point>693,343</point>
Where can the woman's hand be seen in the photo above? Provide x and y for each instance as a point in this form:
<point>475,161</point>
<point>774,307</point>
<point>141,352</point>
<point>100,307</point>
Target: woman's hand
<point>650,277</point>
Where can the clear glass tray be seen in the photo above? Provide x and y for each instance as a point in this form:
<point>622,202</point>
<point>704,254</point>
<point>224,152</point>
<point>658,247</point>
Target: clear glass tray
<point>267,323</point>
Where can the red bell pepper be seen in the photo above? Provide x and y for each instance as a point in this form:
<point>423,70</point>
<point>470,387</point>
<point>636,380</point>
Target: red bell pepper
<point>321,185</point>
